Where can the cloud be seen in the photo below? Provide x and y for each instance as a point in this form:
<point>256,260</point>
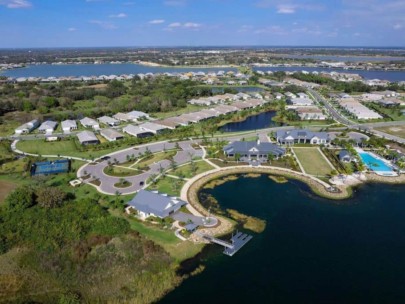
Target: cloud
<point>286,9</point>
<point>121,15</point>
<point>186,25</point>
<point>72,29</point>
<point>191,25</point>
<point>397,26</point>
<point>157,21</point>
<point>104,24</point>
<point>175,24</point>
<point>16,3</point>
<point>290,7</point>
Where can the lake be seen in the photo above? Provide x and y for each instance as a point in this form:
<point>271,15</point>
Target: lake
<point>76,70</point>
<point>313,250</point>
<point>254,122</point>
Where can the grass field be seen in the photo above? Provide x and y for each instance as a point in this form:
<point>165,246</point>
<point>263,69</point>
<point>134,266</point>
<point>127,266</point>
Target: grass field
<point>178,249</point>
<point>168,185</point>
<point>5,188</point>
<point>201,166</point>
<point>313,161</point>
<point>64,147</point>
<point>120,171</point>
<point>154,158</point>
<point>395,130</point>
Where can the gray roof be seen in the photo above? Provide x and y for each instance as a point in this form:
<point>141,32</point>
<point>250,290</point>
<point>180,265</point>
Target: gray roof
<point>343,154</point>
<point>86,136</point>
<point>155,203</point>
<point>301,134</point>
<point>246,147</point>
<point>134,130</point>
<point>48,125</point>
<point>108,120</point>
<point>88,122</point>
<point>69,124</point>
<point>110,133</point>
<point>152,127</point>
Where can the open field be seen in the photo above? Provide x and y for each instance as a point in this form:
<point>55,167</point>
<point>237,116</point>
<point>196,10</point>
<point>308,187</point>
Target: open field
<point>178,249</point>
<point>187,172</point>
<point>5,188</point>
<point>395,130</point>
<point>63,147</point>
<point>168,185</point>
<point>313,161</point>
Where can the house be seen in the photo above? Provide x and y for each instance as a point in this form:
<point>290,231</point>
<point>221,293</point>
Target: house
<point>87,138</point>
<point>47,127</point>
<point>27,127</point>
<point>310,113</point>
<point>298,136</point>
<point>300,101</point>
<point>90,123</point>
<point>153,127</point>
<point>279,96</point>
<point>111,135</point>
<point>253,150</point>
<point>122,117</point>
<point>152,203</point>
<point>69,125</point>
<point>137,115</point>
<point>345,156</point>
<point>108,121</point>
<point>136,131</point>
<point>303,95</point>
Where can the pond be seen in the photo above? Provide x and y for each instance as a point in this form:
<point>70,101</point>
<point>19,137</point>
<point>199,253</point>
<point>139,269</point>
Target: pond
<point>254,122</point>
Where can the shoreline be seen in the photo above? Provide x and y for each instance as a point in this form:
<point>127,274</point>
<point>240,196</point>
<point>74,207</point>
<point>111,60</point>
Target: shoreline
<point>192,188</point>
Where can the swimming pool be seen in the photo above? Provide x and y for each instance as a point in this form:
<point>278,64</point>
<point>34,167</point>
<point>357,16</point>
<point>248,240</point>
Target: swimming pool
<point>374,163</point>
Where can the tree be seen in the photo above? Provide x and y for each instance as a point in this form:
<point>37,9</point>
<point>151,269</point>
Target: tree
<point>21,198</point>
<point>50,197</point>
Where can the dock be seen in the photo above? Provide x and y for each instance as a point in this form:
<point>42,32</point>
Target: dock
<point>236,243</point>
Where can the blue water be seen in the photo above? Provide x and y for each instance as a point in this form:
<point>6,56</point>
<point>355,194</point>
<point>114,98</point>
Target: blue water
<point>313,250</point>
<point>254,122</point>
<point>76,70</point>
<point>373,163</point>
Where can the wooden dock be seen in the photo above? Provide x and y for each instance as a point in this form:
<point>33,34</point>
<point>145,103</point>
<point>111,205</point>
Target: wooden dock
<point>236,243</point>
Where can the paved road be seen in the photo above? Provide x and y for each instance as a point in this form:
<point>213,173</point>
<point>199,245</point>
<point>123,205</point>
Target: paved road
<point>96,170</point>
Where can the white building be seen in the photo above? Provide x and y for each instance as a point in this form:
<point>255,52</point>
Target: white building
<point>27,127</point>
<point>48,127</point>
<point>68,126</point>
<point>90,123</point>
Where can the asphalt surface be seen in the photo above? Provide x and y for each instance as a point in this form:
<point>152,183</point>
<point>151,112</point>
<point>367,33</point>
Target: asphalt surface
<point>96,170</point>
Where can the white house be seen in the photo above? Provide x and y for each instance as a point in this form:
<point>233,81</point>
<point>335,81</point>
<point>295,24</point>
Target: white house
<point>68,125</point>
<point>90,123</point>
<point>48,127</point>
<point>27,127</point>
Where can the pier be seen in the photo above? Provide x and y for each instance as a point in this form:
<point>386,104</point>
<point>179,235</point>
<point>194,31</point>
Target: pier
<point>236,243</point>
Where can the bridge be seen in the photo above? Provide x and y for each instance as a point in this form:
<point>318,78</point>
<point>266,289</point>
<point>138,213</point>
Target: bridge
<point>236,243</point>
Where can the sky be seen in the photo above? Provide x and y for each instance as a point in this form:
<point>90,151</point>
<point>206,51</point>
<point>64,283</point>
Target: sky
<point>91,23</point>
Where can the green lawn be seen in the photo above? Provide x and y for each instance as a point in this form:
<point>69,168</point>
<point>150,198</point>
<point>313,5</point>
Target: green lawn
<point>313,161</point>
<point>178,249</point>
<point>63,147</point>
<point>186,171</point>
<point>168,185</point>
<point>154,158</point>
<point>120,171</point>
<point>8,128</point>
